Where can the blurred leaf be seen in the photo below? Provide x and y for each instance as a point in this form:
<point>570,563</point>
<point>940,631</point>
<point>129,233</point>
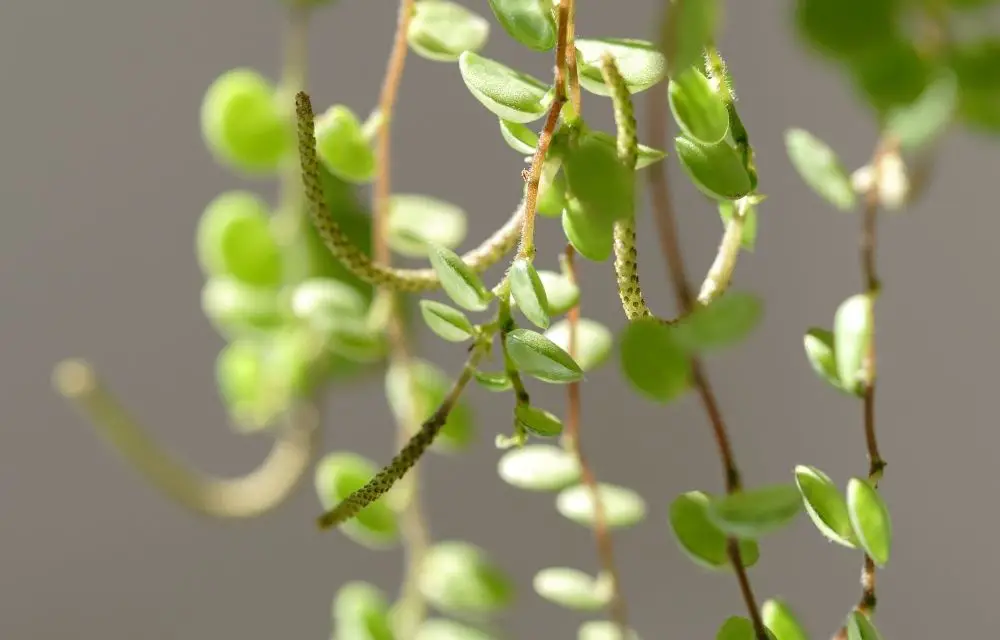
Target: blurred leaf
<point>727,320</point>
<point>539,467</point>
<point>337,476</point>
<point>416,221</point>
<point>458,577</point>
<point>342,146</point>
<point>820,168</point>
<point>653,360</point>
<point>538,421</point>
<point>530,22</point>
<point>623,507</point>
<point>639,62</point>
<point>756,512</point>
<point>442,30</point>
<point>700,538</point>
<point>572,588</point>
<point>698,108</point>
<point>593,342</point>
<point>781,622</point>
<point>689,28</point>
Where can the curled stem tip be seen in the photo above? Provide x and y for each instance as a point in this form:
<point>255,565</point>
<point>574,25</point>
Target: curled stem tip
<point>350,255</point>
<point>247,496</point>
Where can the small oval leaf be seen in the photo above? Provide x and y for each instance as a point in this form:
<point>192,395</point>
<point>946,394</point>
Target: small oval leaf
<point>851,337</point>
<point>491,381</point>
<point>623,507</point>
<point>458,577</point>
<point>716,169</point>
<point>653,360</point>
<point>560,291</point>
<point>825,505</point>
<point>603,630</point>
<point>537,356</point>
<point>736,628</point>
<point>538,421</point>
<point>860,627</point>
<point>539,467</point>
<point>236,309</point>
<point>360,611</point>
<point>528,292</point>
<point>639,62</point>
<point>593,341</point>
<point>572,588</point>
<point>442,30</point>
<point>781,621</point>
<point>507,93</point>
<point>698,536</point>
<point>820,168</point>
<point>698,108</point>
<point>822,358</point>
<point>342,147</point>
<point>447,322</point>
<point>234,238</point>
<point>416,222</point>
<point>689,27</point>
<point>592,235</point>
<point>602,184</point>
<point>459,281</point>
<point>754,513</point>
<point>530,22</point>
<point>725,321</point>
<point>870,520</point>
<point>518,136</point>
<point>920,123</point>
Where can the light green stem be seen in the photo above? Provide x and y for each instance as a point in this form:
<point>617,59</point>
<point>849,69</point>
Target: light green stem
<point>721,272</point>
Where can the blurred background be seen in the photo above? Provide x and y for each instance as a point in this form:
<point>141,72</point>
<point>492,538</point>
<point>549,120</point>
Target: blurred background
<point>103,177</point>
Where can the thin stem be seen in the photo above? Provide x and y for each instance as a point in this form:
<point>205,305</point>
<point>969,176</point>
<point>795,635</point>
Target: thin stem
<point>667,228</point>
<point>534,176</point>
<point>721,272</point>
<point>571,66</point>
<point>605,546</point>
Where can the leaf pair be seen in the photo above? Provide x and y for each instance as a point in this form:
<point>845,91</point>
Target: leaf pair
<point>839,358</point>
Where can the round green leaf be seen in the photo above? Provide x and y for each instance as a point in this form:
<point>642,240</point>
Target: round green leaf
<point>234,238</point>
<point>593,341</point>
<point>870,520</point>
<point>551,190</point>
<point>360,612</point>
<point>342,147</point>
<point>698,107</point>
<point>236,309</point>
<point>820,169</point>
<point>975,64</point>
<point>689,28</point>
<point>242,123</point>
<point>537,356</point>
<point>603,630</point>
<point>530,22</point>
<point>442,30</point>
<point>595,176</point>
<point>518,136</point>
<point>337,476</point>
<point>623,507</point>
<point>715,169</point>
<point>539,467</point>
<point>639,62</point>
<point>846,28</point>
<point>528,292</point>
<point>592,235</point>
<point>860,627</point>
<point>240,372</point>
<point>430,386</point>
<point>498,381</point>
<point>337,310</point>
<point>509,94</point>
<point>447,322</point>
<point>736,628</point>
<point>751,514</point>
<point>725,321</point>
<point>891,74</point>
<point>819,351</point>
<point>698,536</point>
<point>458,280</point>
<point>653,360</point>
<point>561,293</point>
<point>458,577</point>
<point>572,588</point>
<point>538,421</point>
<point>443,629</point>
<point>920,123</point>
<point>417,221</point>
<point>646,155</point>
<point>851,337</point>
<point>781,621</point>
<point>825,505</point>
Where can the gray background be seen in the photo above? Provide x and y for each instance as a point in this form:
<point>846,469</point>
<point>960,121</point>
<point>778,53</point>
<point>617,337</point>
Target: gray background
<point>103,177</point>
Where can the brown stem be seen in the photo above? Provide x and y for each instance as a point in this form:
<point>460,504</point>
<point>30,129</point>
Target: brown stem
<point>571,66</point>
<point>605,546</point>
<point>667,230</point>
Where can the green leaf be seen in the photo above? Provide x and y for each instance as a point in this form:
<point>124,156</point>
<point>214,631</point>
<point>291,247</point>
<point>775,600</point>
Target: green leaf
<point>342,146</point>
<point>639,62</point>
<point>822,357</point>
<point>717,169</point>
<point>781,621</point>
<point>698,107</point>
<point>572,588</point>
<point>591,234</point>
<point>538,421</point>
<point>870,520</point>
<point>518,136</point>
<point>646,155</point>
<point>749,239</point>
<point>338,475</point>
<point>754,513</point>
<point>725,321</point>
<point>603,630</point>
<point>443,629</point>
<point>441,30</point>
<point>234,238</point>
<point>360,612</point>
<point>551,189</point>
<point>236,309</point>
<point>976,65</point>
<point>530,22</point>
<point>458,280</point>
<point>430,387</point>
<point>593,341</point>
<point>416,221</point>
<point>604,186</point>
<point>689,28</point>
<point>243,125</point>
<point>561,293</point>
<point>653,360</point>
<point>917,125</point>
<point>509,94</point>
<point>846,28</point>
<point>325,303</point>
<point>851,336</point>
<point>820,168</point>
<point>698,536</point>
<point>447,322</point>
<point>825,505</point>
<point>736,628</point>
<point>891,74</point>
<point>458,577</point>
<point>860,627</point>
<point>539,467</point>
<point>498,381</point>
<point>528,292</point>
<point>623,507</point>
<point>537,356</point>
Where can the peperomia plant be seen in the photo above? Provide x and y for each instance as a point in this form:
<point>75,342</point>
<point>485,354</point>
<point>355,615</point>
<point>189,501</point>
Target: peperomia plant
<point>307,296</point>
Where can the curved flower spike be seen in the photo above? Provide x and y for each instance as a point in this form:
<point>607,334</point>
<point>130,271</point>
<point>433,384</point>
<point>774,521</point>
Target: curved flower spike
<point>410,280</point>
<point>248,496</point>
